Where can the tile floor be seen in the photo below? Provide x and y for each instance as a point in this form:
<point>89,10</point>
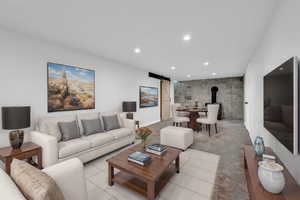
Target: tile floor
<point>195,181</point>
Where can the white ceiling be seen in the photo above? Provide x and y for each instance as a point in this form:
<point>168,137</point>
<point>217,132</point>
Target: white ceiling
<point>224,32</point>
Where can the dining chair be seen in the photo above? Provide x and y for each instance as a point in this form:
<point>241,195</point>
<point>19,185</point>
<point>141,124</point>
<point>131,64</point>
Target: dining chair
<point>203,114</point>
<point>177,119</point>
<point>212,117</point>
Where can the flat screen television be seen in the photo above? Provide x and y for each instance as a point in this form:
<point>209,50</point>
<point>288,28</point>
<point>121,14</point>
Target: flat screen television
<point>281,104</point>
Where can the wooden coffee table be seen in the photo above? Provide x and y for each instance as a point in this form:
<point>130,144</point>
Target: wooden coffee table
<point>146,180</point>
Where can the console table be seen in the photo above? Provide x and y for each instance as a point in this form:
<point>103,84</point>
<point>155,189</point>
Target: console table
<point>291,190</point>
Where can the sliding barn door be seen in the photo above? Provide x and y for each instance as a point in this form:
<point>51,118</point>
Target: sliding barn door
<point>165,100</point>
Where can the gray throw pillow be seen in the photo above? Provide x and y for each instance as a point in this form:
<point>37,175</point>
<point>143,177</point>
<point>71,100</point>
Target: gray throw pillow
<point>91,126</point>
<point>111,122</point>
<point>69,130</point>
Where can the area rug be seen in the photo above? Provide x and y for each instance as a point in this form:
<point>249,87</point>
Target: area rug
<point>227,143</point>
<point>195,181</point>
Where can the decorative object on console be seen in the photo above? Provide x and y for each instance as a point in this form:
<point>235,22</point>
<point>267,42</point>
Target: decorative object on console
<point>70,88</point>
<point>143,134</point>
<point>259,146</point>
<point>267,157</point>
<point>16,118</point>
<point>148,97</point>
<point>271,176</point>
<point>130,108</point>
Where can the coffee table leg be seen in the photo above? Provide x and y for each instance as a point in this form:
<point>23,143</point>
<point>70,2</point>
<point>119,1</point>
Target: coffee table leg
<point>8,162</point>
<point>40,160</point>
<point>151,190</point>
<point>110,175</point>
<point>177,163</point>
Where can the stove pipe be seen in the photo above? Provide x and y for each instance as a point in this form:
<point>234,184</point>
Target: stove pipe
<point>214,91</point>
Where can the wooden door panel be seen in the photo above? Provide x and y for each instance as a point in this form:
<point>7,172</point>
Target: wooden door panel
<point>165,100</point>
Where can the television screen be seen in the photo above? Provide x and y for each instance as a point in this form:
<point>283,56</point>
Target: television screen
<point>279,103</point>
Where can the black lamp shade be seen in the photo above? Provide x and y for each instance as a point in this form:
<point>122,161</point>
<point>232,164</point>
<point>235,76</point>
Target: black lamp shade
<point>15,117</point>
<point>129,106</point>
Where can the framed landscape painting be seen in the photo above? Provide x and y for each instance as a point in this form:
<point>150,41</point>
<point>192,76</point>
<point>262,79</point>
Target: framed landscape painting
<point>70,88</point>
<point>148,97</point>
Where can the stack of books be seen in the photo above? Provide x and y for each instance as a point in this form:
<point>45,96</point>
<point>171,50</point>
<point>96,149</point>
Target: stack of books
<point>157,149</point>
<point>139,158</point>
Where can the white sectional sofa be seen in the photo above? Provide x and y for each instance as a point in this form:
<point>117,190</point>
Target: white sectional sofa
<point>62,173</point>
<point>86,148</point>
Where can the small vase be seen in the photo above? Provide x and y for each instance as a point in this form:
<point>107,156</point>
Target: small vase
<point>259,146</point>
<point>144,144</point>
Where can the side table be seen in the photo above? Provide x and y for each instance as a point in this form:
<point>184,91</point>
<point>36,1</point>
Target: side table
<point>27,151</point>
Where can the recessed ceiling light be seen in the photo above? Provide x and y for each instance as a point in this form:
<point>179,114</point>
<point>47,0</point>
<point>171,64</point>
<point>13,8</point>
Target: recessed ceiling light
<point>173,67</point>
<point>137,50</point>
<point>187,37</point>
<point>281,68</point>
<point>189,76</point>
<point>206,63</point>
<point>214,73</point>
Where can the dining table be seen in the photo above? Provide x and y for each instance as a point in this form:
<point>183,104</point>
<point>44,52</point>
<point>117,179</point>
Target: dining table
<point>193,115</point>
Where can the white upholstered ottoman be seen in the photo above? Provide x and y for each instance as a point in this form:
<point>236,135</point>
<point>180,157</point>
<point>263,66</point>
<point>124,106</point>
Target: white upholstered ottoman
<point>177,137</point>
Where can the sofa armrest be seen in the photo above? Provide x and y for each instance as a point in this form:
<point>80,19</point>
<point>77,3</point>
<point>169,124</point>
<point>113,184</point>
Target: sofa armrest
<point>8,189</point>
<point>69,176</point>
<point>128,123</point>
<point>49,147</point>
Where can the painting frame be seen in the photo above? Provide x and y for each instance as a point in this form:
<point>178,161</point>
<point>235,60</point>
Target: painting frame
<point>71,109</point>
<point>156,100</point>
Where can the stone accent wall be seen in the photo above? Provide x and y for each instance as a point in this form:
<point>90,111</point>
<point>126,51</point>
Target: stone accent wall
<point>230,94</point>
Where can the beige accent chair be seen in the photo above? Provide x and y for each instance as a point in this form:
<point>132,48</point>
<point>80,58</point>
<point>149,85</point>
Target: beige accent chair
<point>68,175</point>
<point>212,117</point>
<point>177,119</point>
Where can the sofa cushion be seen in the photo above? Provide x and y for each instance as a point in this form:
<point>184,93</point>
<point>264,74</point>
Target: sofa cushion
<point>8,188</point>
<point>69,130</point>
<point>49,125</point>
<point>120,133</point>
<point>92,126</point>
<point>111,122</point>
<point>89,115</point>
<point>99,139</point>
<point>34,183</point>
<point>72,146</point>
<point>120,116</point>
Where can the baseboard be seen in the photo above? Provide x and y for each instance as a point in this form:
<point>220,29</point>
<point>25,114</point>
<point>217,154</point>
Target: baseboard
<point>150,123</point>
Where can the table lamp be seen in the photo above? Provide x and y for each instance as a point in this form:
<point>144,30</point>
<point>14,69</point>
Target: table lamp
<point>15,118</point>
<point>129,107</point>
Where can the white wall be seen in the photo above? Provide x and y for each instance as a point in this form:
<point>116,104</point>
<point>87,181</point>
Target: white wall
<point>281,42</point>
<point>23,78</point>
